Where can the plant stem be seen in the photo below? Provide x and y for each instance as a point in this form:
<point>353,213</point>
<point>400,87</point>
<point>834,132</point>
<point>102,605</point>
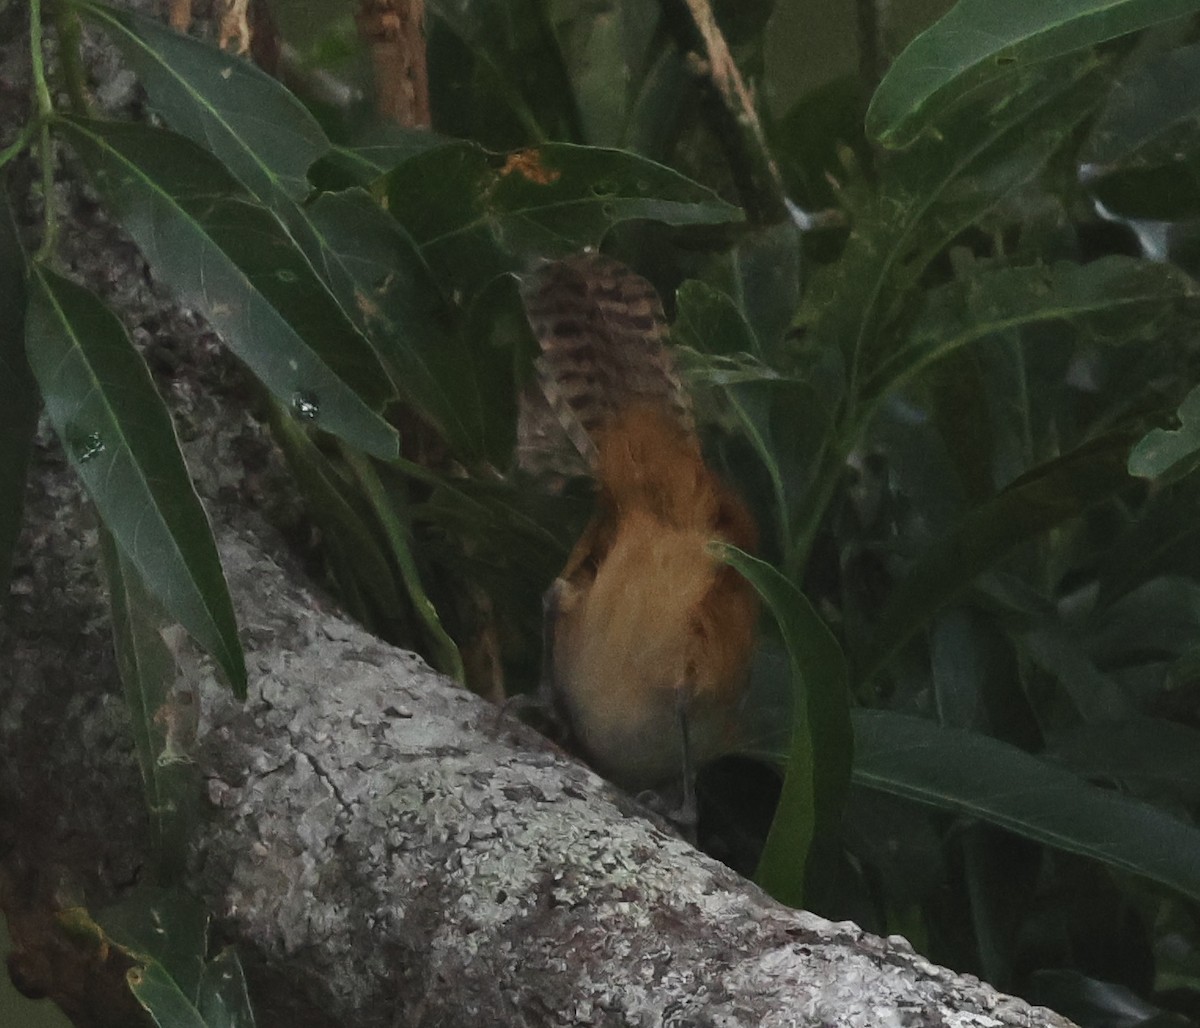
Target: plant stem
<point>17,145</point>
<point>70,39</point>
<point>45,111</point>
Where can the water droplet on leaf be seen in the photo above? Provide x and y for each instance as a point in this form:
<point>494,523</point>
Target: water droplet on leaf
<point>306,405</point>
<point>87,446</point>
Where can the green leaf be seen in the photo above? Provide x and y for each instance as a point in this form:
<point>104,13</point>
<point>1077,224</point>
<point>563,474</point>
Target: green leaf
<point>224,1002</point>
<point>118,435</point>
<point>478,215</point>
<point>163,999</point>
<point>1113,299</point>
<point>362,162</point>
<point>863,303</point>
<point>165,932</point>
<point>1153,108</point>
<point>164,927</point>
<point>164,718</point>
<point>818,768</point>
<point>334,508</point>
<point>504,81</point>
<point>1141,159</point>
<point>1162,541</point>
<point>230,258</point>
<point>227,105</point>
<point>19,401</point>
<point>381,281</point>
<point>990,780</point>
<point>1039,500</point>
<point>1170,453</point>
<point>982,41</point>
<point>396,523</point>
<point>1162,192</point>
<point>1153,756</point>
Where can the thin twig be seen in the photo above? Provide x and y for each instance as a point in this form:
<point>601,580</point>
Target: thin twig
<point>759,184</point>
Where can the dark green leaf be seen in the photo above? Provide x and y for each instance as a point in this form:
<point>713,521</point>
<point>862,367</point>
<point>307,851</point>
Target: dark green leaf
<point>505,82</point>
<point>986,779</point>
<point>818,767</point>
<point>230,258</point>
<point>163,998</point>
<point>1113,299</point>
<point>164,717</point>
<point>1170,453</point>
<point>930,195</point>
<point>478,215</point>
<point>165,932</point>
<point>224,1002</point>
<point>1147,110</point>
<point>228,105</point>
<point>19,400</point>
<point>1164,192</point>
<point>1164,540</point>
<point>379,278</point>
<point>361,163</point>
<point>1039,500</point>
<point>163,927</point>
<point>1155,757</point>
<point>980,41</point>
<point>118,434</point>
<point>332,505</point>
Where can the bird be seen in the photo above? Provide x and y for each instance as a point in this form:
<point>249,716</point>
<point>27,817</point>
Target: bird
<point>648,634</point>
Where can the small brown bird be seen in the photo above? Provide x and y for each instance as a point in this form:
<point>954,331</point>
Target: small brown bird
<point>648,635</point>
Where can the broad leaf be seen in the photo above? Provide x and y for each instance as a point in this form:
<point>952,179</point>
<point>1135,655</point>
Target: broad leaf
<point>380,279</point>
<point>164,717</point>
<point>990,780</point>
<point>818,767</point>
<point>165,933</point>
<point>981,41</point>
<point>118,434</point>
<point>1164,540</point>
<point>230,258</point>
<point>228,105</point>
<point>503,81</point>
<point>930,194</point>
<point>478,215</point>
<point>1170,453</point>
<point>1152,756</point>
<point>1117,299</point>
<point>1041,499</point>
<point>19,401</point>
<point>1141,159</point>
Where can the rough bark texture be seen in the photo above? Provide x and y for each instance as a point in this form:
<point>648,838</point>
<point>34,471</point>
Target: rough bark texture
<point>385,848</point>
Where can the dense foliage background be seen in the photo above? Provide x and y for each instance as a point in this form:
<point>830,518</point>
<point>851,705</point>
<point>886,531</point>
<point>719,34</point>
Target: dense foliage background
<point>935,299</point>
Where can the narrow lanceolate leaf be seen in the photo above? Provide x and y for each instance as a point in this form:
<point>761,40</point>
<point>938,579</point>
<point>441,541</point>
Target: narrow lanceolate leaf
<point>1115,298</point>
<point>259,130</point>
<point>118,434</point>
<point>818,768</point>
<point>1039,500</point>
<point>163,717</point>
<point>1170,453</point>
<point>477,215</point>
<point>990,780</point>
<point>981,40</point>
<point>230,258</point>
<point>165,933</point>
<point>18,393</point>
<point>380,279</point>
